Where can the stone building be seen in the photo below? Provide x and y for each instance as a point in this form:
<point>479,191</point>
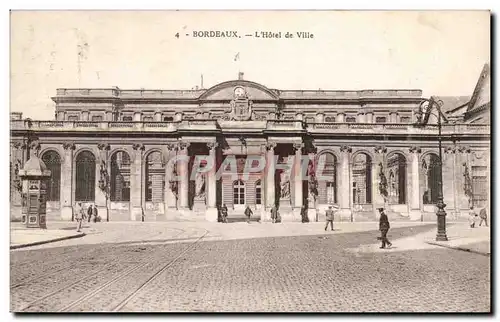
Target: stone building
<point>112,147</point>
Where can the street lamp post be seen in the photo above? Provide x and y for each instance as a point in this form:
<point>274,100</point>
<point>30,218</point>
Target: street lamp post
<point>426,106</point>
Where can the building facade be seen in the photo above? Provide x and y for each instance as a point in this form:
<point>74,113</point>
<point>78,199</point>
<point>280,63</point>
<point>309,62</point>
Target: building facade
<point>112,147</point>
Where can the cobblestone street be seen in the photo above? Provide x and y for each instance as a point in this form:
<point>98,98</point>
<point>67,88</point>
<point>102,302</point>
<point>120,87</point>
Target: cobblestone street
<point>337,272</point>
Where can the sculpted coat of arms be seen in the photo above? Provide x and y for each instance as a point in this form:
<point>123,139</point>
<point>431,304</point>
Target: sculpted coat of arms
<point>241,106</point>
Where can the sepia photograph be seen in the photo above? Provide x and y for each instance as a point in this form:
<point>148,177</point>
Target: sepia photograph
<point>250,161</point>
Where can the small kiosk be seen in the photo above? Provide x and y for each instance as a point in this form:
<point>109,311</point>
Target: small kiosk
<point>34,178</point>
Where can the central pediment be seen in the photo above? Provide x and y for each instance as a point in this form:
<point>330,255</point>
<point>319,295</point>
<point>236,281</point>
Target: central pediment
<point>236,89</point>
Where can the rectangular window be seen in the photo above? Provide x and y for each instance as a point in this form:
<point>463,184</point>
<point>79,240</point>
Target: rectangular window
<point>479,186</point>
<point>149,190</point>
<point>168,119</point>
<point>330,192</point>
<point>380,119</point>
<point>405,119</point>
<point>148,119</point>
<point>97,118</point>
<point>73,118</point>
<point>350,119</point>
<point>258,195</point>
<point>127,118</point>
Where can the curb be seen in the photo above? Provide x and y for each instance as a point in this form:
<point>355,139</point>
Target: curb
<point>46,241</point>
<point>464,249</point>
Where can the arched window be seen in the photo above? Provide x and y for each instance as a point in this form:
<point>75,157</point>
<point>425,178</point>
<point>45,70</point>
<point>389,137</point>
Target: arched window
<point>350,119</point>
<point>53,162</point>
<point>85,176</point>
<point>362,179</point>
<point>154,177</point>
<point>120,176</point>
<point>238,193</point>
<point>258,193</point>
<point>168,119</point>
<point>330,119</point>
<point>396,165</point>
<point>327,167</point>
<point>431,177</point>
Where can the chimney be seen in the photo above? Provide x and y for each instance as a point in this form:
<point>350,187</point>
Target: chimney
<point>240,75</point>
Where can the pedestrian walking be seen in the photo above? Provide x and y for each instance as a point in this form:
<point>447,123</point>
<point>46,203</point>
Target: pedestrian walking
<point>248,213</point>
<point>224,213</point>
<point>484,217</point>
<point>274,213</point>
<point>89,212</point>
<point>472,217</point>
<point>79,216</point>
<point>303,214</point>
<point>95,213</point>
<point>384,227</point>
<point>329,217</point>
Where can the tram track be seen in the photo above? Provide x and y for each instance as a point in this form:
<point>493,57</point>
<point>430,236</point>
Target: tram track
<point>118,275</point>
<point>24,281</point>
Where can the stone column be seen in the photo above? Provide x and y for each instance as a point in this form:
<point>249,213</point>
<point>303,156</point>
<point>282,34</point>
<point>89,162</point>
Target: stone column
<point>211,214</point>
<point>377,199</point>
<point>464,160</point>
<point>85,116</point>
<point>102,168</point>
<point>136,182</point>
<point>449,180</point>
<point>270,184</point>
<point>320,118</point>
<point>183,168</point>
<point>393,117</point>
<point>369,117</point>
<point>414,184</point>
<point>137,116</point>
<point>169,197</point>
<point>108,116</point>
<point>178,117</point>
<point>298,201</point>
<point>67,182</point>
<point>60,115</point>
<point>361,118</point>
<point>157,116</point>
<point>340,118</point>
<point>344,190</point>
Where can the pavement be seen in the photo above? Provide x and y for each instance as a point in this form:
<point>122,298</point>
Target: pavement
<point>288,267</point>
<point>61,234</point>
<point>25,237</point>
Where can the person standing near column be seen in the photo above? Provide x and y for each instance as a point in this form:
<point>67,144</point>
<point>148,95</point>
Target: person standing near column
<point>248,213</point>
<point>384,228</point>
<point>79,216</point>
<point>484,217</point>
<point>329,217</point>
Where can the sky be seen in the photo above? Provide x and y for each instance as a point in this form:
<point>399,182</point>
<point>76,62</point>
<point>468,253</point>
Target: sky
<point>439,52</point>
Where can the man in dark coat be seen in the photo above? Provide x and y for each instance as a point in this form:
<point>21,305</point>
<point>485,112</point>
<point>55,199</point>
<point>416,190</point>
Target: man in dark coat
<point>329,217</point>
<point>384,228</point>
<point>248,213</point>
<point>89,212</point>
<point>224,213</point>
<point>303,214</point>
<point>484,217</point>
<point>273,214</point>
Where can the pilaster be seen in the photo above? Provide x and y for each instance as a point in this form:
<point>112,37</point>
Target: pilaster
<point>136,182</point>
<point>345,185</point>
<point>67,182</point>
<point>414,184</point>
<point>183,168</point>
<point>211,214</point>
<point>102,180</point>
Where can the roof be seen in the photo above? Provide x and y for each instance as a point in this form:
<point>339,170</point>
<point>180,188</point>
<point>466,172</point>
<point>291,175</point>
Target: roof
<point>451,103</point>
